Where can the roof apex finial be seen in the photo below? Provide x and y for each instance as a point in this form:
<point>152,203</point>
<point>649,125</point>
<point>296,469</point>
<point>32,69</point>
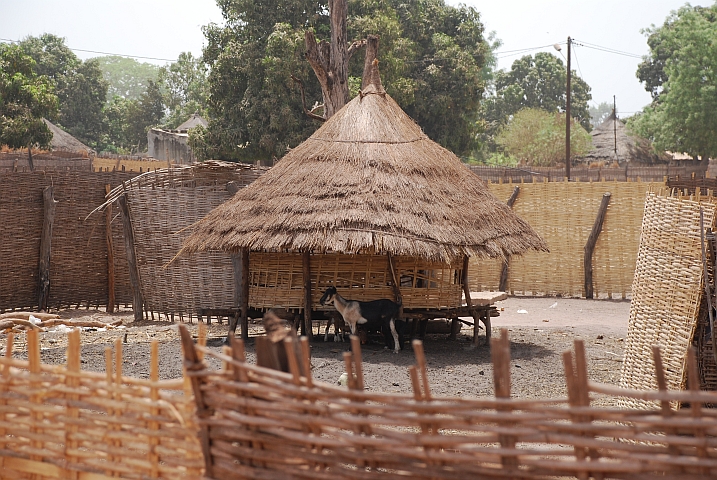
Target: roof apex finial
<point>376,76</point>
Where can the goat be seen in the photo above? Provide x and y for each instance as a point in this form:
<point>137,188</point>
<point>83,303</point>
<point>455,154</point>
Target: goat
<point>377,313</point>
<point>339,326</point>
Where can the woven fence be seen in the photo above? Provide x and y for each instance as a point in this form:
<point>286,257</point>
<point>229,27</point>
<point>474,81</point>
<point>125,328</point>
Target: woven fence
<point>17,161</point>
<point>78,263</point>
<point>667,292</point>
<point>127,164</point>
<point>261,423</point>
<point>655,173</point>
<point>58,422</point>
<point>564,213</point>
<point>162,205</point>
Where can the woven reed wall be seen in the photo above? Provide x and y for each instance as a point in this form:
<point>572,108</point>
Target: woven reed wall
<point>667,290</point>
<point>78,267</point>
<point>102,164</point>
<point>563,214</point>
<point>55,161</point>
<point>277,280</point>
<point>656,173</point>
<point>57,422</point>
<point>161,206</point>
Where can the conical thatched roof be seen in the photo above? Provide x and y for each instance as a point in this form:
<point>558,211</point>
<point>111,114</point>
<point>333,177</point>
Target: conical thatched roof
<point>630,147</point>
<point>368,181</point>
<point>61,140</point>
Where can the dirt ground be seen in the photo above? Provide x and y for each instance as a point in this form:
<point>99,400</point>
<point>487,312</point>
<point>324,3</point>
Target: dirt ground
<point>540,330</point>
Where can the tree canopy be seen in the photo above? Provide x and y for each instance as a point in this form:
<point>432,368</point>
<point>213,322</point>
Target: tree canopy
<point>80,86</point>
<point>25,99</point>
<point>536,137</point>
<point>431,59</point>
<point>126,77</point>
<point>681,74</point>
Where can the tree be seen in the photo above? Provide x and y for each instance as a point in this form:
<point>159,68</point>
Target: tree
<point>185,87</point>
<point>431,58</point>
<point>681,72</point>
<point>80,86</point>
<point>600,113</point>
<point>538,83</point>
<point>536,137</point>
<point>126,77</point>
<point>25,99</point>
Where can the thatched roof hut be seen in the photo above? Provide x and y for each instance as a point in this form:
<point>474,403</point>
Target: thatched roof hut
<point>369,181</point>
<point>612,133</point>
<point>63,141</point>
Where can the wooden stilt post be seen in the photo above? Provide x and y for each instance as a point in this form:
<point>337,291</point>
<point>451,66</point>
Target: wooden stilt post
<point>110,257</point>
<point>477,317</point>
<point>134,278</point>
<point>307,328</point>
<point>396,283</point>
<point>503,285</point>
<point>590,245</point>
<point>244,293</point>
<point>46,246</point>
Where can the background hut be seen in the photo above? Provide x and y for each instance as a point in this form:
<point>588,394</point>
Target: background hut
<point>370,205</point>
<point>612,142</point>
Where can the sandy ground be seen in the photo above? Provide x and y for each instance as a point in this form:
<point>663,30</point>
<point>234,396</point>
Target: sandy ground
<point>538,338</point>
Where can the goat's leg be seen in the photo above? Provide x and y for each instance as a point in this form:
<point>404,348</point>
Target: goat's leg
<point>328,325</point>
<point>396,343</point>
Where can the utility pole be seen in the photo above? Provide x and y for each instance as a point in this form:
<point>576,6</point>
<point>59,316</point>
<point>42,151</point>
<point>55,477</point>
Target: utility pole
<point>614,123</point>
<point>567,119</point>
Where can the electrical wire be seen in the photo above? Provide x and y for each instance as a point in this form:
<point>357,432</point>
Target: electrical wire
<point>606,49</point>
<point>103,53</point>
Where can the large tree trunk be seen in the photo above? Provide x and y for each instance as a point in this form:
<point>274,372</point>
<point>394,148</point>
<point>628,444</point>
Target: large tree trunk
<point>330,61</point>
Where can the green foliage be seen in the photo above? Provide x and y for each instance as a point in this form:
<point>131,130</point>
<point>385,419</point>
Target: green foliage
<point>126,77</point>
<point>536,137</point>
<point>431,62</point>
<point>600,113</point>
<point>127,121</point>
<point>681,72</point>
<point>25,98</point>
<point>185,87</point>
<point>80,86</point>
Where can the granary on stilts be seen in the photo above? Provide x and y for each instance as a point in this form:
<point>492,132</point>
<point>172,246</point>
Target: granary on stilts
<point>367,204</point>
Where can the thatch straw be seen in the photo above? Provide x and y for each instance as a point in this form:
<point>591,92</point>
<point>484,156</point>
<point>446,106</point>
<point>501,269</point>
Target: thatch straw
<point>630,147</point>
<point>368,181</point>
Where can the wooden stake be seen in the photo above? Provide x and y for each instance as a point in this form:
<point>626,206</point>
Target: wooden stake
<point>110,256</point>
<point>134,277</point>
<point>503,284</point>
<point>307,328</point>
<point>46,246</point>
<point>590,245</point>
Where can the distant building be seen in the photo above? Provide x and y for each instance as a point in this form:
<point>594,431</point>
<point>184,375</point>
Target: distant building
<point>613,143</point>
<point>173,145</point>
<point>64,142</point>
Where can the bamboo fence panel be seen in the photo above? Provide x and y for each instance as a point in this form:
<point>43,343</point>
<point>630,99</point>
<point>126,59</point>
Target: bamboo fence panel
<point>58,422</point>
<point>667,290</point>
<point>79,250</point>
<point>276,280</point>
<point>563,213</point>
<point>261,423</point>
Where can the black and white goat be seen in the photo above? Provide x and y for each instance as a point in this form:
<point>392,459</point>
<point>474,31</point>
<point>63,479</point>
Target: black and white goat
<point>381,314</point>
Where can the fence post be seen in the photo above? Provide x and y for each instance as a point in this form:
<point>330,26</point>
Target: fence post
<point>110,256</point>
<point>137,297</point>
<point>45,246</point>
<point>590,245</point>
<point>503,284</point>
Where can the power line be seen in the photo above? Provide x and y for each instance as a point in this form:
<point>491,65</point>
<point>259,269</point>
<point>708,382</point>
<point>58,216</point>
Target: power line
<point>606,49</point>
<point>103,53</point>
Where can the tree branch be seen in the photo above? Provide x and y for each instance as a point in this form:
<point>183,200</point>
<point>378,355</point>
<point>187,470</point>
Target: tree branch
<point>315,56</point>
<point>308,112</point>
<point>355,46</point>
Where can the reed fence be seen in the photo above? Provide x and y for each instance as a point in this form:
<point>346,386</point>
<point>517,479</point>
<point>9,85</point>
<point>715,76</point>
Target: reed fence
<point>126,163</point>
<point>59,422</point>
<point>668,293</point>
<point>78,266</point>
<point>564,214</point>
<point>655,173</point>
<point>261,423</point>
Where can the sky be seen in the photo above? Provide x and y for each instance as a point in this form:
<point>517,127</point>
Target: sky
<point>161,29</point>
